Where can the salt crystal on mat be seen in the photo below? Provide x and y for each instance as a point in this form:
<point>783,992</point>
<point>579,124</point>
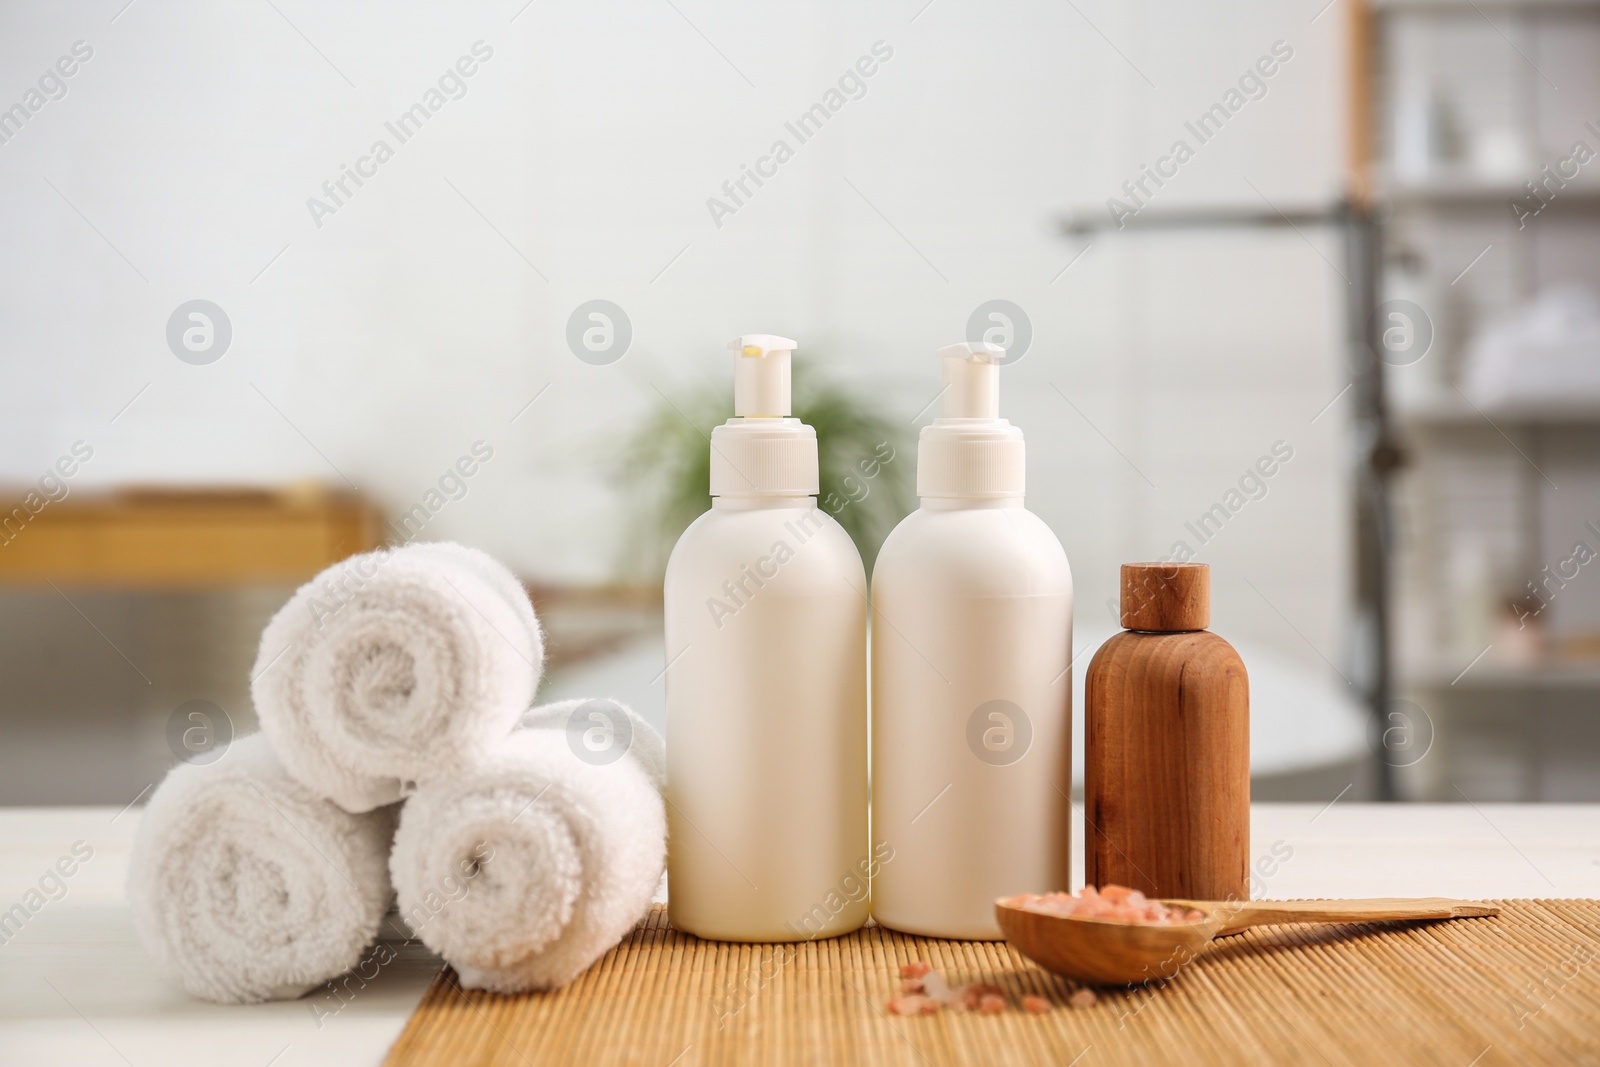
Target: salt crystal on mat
<point>906,1005</point>
<point>934,985</point>
<point>972,993</point>
<point>926,992</point>
<point>1083,998</point>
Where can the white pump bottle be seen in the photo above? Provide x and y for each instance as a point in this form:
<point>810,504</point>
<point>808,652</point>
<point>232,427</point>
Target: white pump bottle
<point>971,692</point>
<point>766,615</point>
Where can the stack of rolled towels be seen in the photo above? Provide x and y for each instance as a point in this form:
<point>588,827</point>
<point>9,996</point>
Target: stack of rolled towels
<point>399,761</point>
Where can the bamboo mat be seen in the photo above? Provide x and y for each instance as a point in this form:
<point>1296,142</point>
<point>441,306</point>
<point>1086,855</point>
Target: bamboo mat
<point>1518,989</point>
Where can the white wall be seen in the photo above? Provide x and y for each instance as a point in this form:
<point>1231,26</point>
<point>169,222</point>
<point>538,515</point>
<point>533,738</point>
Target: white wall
<point>406,327</point>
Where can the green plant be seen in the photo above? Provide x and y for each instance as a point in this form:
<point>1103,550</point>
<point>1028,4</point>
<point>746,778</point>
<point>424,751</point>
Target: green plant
<point>865,461</point>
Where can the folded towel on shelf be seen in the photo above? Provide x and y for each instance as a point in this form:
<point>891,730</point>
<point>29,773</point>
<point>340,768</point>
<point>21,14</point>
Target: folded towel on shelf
<point>525,871</point>
<point>245,886</point>
<point>395,667</point>
<point>1544,351</point>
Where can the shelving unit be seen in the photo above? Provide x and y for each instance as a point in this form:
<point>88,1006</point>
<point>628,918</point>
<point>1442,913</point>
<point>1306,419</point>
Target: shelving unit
<point>1462,413</point>
<point>1491,494</point>
<point>1499,678</point>
<point>1413,486</point>
<point>1464,189</point>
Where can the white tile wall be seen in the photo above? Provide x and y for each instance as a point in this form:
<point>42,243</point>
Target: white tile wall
<point>406,327</point>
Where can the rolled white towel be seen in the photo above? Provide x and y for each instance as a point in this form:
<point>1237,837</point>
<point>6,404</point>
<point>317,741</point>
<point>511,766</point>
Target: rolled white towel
<point>601,730</point>
<point>245,886</point>
<point>524,872</point>
<point>394,667</point>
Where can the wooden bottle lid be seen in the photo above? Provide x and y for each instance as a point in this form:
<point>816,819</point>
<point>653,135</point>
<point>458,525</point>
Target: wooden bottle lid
<point>1166,596</point>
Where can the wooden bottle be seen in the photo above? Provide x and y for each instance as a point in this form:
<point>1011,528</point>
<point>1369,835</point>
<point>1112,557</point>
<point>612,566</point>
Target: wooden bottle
<point>1167,745</point>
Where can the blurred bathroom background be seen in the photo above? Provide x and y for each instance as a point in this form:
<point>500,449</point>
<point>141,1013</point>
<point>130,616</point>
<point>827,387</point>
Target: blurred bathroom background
<point>281,281</point>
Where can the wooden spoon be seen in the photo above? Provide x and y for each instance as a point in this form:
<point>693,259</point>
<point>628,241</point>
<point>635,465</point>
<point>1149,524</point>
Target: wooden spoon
<point>1108,952</point>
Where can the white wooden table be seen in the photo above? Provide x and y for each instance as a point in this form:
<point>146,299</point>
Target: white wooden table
<point>76,987</point>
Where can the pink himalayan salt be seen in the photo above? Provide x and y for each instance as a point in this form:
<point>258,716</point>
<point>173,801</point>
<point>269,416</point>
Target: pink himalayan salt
<point>973,995</point>
<point>910,1005</point>
<point>938,990</point>
<point>924,991</point>
<point>1035,1005</point>
<point>1115,902</point>
<point>1083,998</point>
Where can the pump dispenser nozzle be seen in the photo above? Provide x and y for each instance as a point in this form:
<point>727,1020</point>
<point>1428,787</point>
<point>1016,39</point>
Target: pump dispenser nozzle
<point>970,452</point>
<point>762,451</point>
<point>761,375</point>
<point>972,380</point>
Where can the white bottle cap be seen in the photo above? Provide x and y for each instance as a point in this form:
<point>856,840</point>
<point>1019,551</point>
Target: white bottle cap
<point>761,451</point>
<point>970,451</point>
